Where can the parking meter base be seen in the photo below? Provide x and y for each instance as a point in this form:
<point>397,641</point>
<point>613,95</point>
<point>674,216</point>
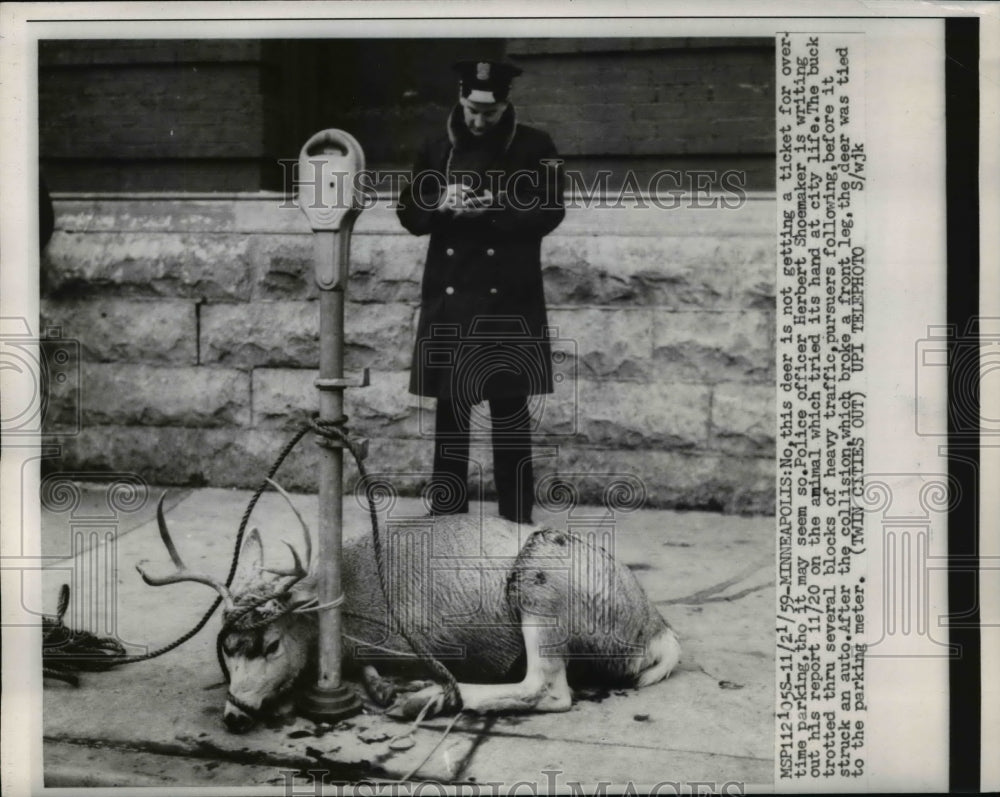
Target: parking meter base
<point>329,704</point>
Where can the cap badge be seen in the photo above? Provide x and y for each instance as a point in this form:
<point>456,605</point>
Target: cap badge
<point>483,70</point>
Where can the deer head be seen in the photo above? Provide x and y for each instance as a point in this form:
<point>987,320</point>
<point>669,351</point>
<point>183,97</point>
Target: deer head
<point>268,635</point>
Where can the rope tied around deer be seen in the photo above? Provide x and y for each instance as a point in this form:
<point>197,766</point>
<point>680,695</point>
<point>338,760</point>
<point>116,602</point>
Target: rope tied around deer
<point>254,613</point>
<point>337,429</point>
<point>605,621</point>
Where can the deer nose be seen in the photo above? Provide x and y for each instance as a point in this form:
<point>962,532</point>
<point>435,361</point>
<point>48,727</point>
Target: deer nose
<point>237,721</point>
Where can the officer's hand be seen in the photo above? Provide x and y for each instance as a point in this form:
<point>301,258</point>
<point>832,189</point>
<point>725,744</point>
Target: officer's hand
<point>475,204</point>
<point>452,199</point>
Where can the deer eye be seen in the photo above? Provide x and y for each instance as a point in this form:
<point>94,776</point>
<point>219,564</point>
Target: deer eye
<point>272,647</point>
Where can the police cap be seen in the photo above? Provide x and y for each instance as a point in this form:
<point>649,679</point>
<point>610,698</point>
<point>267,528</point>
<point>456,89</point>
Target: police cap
<point>486,81</point>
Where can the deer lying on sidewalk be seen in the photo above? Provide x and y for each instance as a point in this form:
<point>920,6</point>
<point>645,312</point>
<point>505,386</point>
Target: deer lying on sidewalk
<point>515,614</point>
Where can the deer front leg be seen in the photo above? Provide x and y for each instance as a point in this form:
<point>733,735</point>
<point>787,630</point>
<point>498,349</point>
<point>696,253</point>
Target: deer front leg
<point>544,687</point>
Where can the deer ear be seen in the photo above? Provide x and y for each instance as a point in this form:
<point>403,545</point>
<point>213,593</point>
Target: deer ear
<point>251,559</point>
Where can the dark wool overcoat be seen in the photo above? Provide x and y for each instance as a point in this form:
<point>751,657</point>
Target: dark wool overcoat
<point>482,331</point>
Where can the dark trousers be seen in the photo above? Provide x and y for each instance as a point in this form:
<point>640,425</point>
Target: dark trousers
<point>511,432</point>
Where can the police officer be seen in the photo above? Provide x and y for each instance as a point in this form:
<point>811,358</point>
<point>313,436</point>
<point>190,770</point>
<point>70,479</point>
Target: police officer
<point>486,191</point>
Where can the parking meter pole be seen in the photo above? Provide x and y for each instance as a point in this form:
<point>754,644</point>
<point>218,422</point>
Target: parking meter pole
<point>336,157</point>
<point>329,699</point>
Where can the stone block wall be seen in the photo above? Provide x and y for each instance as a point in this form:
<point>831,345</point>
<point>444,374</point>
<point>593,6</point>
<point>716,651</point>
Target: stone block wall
<point>197,324</point>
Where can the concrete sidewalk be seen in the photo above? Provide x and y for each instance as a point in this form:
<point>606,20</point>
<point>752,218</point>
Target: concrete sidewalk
<point>159,722</point>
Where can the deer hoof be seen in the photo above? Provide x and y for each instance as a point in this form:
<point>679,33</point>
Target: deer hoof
<point>382,692</point>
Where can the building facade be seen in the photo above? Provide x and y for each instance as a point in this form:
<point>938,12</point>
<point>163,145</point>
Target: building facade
<point>183,269</point>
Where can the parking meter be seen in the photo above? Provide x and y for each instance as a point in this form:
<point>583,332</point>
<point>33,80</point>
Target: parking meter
<point>329,167</point>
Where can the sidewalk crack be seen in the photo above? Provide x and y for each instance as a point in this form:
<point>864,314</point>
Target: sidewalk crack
<point>705,595</point>
<point>481,735</point>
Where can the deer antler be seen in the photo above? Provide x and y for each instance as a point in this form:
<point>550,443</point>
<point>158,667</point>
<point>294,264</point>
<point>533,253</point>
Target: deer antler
<point>298,572</point>
<point>182,574</point>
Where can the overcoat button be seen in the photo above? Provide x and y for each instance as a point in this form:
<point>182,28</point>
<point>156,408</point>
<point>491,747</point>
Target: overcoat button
<point>449,251</point>
<point>449,290</point>
<point>490,252</point>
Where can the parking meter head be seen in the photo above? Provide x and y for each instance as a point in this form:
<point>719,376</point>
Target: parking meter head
<point>329,185</point>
